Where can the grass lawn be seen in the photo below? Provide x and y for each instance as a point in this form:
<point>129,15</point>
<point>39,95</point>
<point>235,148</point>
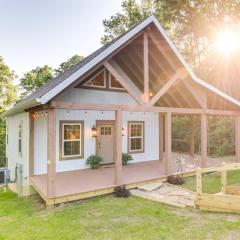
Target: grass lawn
<point>107,217</point>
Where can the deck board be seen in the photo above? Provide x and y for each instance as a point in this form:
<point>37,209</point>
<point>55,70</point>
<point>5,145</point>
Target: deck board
<point>87,180</point>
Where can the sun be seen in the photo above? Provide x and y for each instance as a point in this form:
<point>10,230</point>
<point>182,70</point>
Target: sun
<point>227,42</point>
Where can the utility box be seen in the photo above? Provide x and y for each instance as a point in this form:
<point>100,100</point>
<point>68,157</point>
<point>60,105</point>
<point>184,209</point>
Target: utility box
<point>4,175</point>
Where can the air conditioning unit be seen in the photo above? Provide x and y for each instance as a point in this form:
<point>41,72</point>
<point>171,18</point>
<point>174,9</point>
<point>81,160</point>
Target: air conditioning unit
<point>4,175</point>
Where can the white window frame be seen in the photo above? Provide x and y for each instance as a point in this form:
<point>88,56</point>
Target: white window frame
<point>95,86</point>
<point>110,83</point>
<point>130,137</point>
<point>80,140</point>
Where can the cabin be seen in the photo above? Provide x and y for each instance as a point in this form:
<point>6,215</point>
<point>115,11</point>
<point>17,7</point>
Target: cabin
<point>120,99</point>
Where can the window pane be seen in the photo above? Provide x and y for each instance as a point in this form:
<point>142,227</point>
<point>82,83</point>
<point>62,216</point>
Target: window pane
<point>136,144</point>
<point>115,83</point>
<point>72,148</point>
<point>19,145</point>
<point>72,131</point>
<point>106,130</point>
<point>97,81</point>
<point>136,130</point>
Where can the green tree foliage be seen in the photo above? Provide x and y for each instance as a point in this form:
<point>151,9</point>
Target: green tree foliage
<point>70,62</point>
<point>7,97</point>
<point>132,13</point>
<point>38,76</point>
<point>35,79</point>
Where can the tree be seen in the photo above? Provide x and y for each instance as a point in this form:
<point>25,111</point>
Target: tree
<point>132,13</point>
<point>66,65</point>
<point>7,97</point>
<point>35,78</point>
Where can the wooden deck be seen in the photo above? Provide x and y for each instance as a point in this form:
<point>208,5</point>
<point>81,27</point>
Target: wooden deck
<point>73,185</point>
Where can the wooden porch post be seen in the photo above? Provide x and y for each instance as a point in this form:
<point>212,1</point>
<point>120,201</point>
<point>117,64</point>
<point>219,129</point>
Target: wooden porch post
<point>161,137</point>
<point>168,144</point>
<point>31,144</point>
<point>203,140</point>
<point>237,138</point>
<point>51,150</point>
<point>191,138</point>
<point>118,147</point>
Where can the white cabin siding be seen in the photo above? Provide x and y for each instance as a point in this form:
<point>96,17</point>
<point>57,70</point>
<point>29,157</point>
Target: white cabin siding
<point>12,146</point>
<point>96,96</point>
<point>151,151</point>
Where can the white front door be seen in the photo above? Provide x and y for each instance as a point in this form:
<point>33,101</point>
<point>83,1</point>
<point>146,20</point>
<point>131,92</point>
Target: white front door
<point>105,142</point>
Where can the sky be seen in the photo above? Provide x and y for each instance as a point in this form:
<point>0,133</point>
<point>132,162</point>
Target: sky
<point>39,32</point>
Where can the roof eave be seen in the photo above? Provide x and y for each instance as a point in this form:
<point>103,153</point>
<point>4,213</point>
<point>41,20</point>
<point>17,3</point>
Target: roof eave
<point>33,103</point>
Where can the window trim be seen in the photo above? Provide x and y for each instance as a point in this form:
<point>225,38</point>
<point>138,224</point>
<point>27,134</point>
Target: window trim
<point>95,86</point>
<point>129,138</point>
<point>20,127</point>
<point>61,140</point>
<point>110,83</point>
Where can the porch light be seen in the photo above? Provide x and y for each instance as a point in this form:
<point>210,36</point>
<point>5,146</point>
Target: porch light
<point>150,94</point>
<point>123,131</point>
<point>94,131</point>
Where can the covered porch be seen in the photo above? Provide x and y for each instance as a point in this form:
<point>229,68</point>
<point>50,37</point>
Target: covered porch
<point>73,185</point>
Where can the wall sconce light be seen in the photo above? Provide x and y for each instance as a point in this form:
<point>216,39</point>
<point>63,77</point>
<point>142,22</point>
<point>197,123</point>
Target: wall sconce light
<point>94,131</point>
<point>123,131</point>
<point>150,94</point>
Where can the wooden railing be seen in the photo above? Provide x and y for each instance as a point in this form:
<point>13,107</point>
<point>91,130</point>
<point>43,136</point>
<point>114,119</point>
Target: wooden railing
<point>226,201</point>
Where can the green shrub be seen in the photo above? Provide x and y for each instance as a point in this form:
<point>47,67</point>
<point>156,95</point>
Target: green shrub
<point>125,158</point>
<point>94,161</point>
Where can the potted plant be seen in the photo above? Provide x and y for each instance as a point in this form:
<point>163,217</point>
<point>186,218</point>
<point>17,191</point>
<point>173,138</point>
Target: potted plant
<point>125,158</point>
<point>94,161</point>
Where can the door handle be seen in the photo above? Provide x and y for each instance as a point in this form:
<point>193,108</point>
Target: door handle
<point>99,145</point>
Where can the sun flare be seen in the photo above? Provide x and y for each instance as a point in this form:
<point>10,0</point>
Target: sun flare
<point>227,42</point>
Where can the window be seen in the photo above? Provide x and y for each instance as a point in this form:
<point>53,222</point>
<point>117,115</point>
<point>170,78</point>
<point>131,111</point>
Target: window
<point>136,137</point>
<point>113,83</point>
<point>71,145</point>
<point>98,80</point>
<point>20,139</point>
<point>106,130</point>
<point>7,134</point>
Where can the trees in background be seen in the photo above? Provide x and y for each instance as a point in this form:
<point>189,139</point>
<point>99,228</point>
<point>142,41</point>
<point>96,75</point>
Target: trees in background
<point>66,65</point>
<point>34,79</point>
<point>8,96</point>
<point>38,76</point>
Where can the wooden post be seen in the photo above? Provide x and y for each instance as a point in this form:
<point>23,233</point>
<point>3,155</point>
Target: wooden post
<point>224,181</point>
<point>203,140</point>
<point>146,67</point>
<point>51,150</point>
<point>237,138</point>
<point>191,138</point>
<point>161,137</point>
<point>118,147</point>
<point>198,181</point>
<point>168,144</point>
<point>31,144</point>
